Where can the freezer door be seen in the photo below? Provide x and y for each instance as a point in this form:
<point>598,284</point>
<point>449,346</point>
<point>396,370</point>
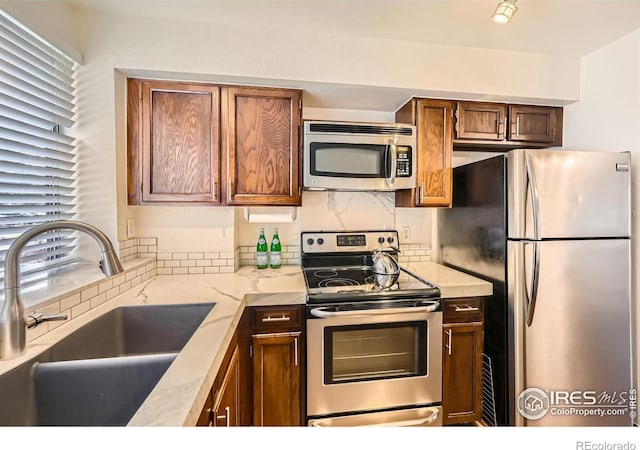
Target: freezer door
<point>568,194</point>
<point>572,319</point>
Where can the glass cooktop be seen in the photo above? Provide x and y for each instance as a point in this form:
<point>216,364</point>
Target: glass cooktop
<point>351,283</point>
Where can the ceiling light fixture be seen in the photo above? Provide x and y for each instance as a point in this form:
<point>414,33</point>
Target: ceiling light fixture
<point>504,11</point>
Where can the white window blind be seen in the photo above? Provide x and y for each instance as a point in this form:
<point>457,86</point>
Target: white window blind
<point>37,150</point>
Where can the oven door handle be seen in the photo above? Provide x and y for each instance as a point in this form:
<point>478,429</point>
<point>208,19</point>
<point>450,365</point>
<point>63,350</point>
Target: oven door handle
<point>400,423</point>
<point>409,423</point>
<point>322,312</point>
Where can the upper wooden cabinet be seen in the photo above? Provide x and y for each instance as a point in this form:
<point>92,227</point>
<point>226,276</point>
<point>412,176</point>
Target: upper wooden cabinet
<point>210,144</point>
<point>173,142</point>
<point>500,126</point>
<point>535,124</point>
<point>262,146</point>
<point>434,122</point>
<point>475,120</point>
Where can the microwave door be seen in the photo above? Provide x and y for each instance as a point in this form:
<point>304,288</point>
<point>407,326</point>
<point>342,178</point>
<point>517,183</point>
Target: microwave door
<point>348,166</point>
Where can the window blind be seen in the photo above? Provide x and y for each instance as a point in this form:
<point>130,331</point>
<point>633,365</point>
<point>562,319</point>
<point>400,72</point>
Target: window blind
<point>37,148</point>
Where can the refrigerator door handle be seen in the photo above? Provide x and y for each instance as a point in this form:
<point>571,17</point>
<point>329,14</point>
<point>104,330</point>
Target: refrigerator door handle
<point>532,185</point>
<point>531,299</point>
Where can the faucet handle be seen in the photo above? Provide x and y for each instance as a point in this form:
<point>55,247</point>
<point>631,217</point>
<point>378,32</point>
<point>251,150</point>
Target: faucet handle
<point>34,319</point>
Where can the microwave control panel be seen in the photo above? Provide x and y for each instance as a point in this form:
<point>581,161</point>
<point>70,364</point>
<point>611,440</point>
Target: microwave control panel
<point>403,162</point>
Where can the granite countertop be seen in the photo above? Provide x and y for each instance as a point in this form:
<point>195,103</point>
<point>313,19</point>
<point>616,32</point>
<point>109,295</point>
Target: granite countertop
<point>178,397</point>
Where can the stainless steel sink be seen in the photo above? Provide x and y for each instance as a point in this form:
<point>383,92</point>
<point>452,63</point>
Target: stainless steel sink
<point>101,373</point>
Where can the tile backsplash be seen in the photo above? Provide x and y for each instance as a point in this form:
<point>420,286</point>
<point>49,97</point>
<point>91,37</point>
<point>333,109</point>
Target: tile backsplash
<point>183,263</point>
<point>81,300</point>
<point>290,255</point>
<point>414,253</point>
<point>152,263</point>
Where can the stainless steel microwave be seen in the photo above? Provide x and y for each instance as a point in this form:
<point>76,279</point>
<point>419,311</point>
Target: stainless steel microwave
<point>359,156</point>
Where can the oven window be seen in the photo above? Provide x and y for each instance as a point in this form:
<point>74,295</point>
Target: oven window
<point>375,351</point>
<point>348,160</point>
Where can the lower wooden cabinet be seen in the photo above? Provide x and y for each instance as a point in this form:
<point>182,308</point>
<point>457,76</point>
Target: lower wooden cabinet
<point>462,343</point>
<point>222,407</point>
<point>226,403</point>
<point>276,379</point>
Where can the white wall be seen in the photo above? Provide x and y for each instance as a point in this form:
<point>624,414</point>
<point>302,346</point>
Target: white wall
<point>607,118</point>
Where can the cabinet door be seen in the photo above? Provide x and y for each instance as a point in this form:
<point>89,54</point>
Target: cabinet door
<point>206,416</point>
<point>276,379</point>
<point>484,121</point>
<point>532,123</point>
<point>434,121</point>
<point>226,402</point>
<point>180,142</point>
<point>462,372</point>
<point>261,133</point>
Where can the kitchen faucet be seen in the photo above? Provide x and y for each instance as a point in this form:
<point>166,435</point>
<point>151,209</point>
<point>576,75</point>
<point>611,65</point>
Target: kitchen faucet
<point>12,321</point>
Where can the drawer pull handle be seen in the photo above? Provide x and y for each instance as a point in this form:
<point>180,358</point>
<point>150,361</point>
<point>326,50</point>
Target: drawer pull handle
<point>282,318</point>
<point>466,308</point>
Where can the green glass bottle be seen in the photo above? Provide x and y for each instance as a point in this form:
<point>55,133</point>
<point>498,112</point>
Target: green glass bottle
<point>262,261</point>
<point>275,256</point>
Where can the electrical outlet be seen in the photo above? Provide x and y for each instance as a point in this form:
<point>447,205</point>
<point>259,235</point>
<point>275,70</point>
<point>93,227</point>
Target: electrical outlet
<point>131,228</point>
<point>406,234</point>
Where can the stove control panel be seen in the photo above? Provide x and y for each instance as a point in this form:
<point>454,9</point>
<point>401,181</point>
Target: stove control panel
<point>347,241</point>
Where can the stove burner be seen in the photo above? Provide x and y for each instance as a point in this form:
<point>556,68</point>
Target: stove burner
<point>325,273</point>
<point>337,282</point>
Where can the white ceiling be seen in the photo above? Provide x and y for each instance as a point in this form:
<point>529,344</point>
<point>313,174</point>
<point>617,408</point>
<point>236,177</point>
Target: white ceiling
<point>565,27</point>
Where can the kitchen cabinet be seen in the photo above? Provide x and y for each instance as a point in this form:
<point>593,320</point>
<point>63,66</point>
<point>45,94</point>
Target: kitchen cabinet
<point>276,379</point>
<point>225,411</point>
<point>483,121</point>
<point>173,142</point>
<point>463,334</point>
<point>262,146</point>
<point>272,361</point>
<point>434,123</point>
<point>535,124</point>
<point>223,405</point>
<point>502,127</point>
<point>199,143</point>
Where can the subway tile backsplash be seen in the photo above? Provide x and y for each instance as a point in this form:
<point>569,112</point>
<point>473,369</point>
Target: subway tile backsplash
<point>79,301</point>
<point>247,255</point>
<point>414,253</point>
<point>183,263</point>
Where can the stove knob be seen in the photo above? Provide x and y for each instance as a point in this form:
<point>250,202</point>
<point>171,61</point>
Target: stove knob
<point>310,241</point>
<point>390,240</point>
<point>380,240</point>
<point>320,241</point>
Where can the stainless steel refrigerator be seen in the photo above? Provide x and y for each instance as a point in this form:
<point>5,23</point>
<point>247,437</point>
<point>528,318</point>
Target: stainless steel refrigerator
<point>551,229</point>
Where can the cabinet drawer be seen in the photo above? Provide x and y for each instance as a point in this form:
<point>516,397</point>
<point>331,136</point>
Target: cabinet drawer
<point>277,317</point>
<point>463,310</point>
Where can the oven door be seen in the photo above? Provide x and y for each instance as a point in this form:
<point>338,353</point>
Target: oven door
<point>374,359</point>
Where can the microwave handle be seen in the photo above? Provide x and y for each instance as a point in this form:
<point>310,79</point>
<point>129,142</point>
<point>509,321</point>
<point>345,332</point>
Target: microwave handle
<point>391,181</point>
